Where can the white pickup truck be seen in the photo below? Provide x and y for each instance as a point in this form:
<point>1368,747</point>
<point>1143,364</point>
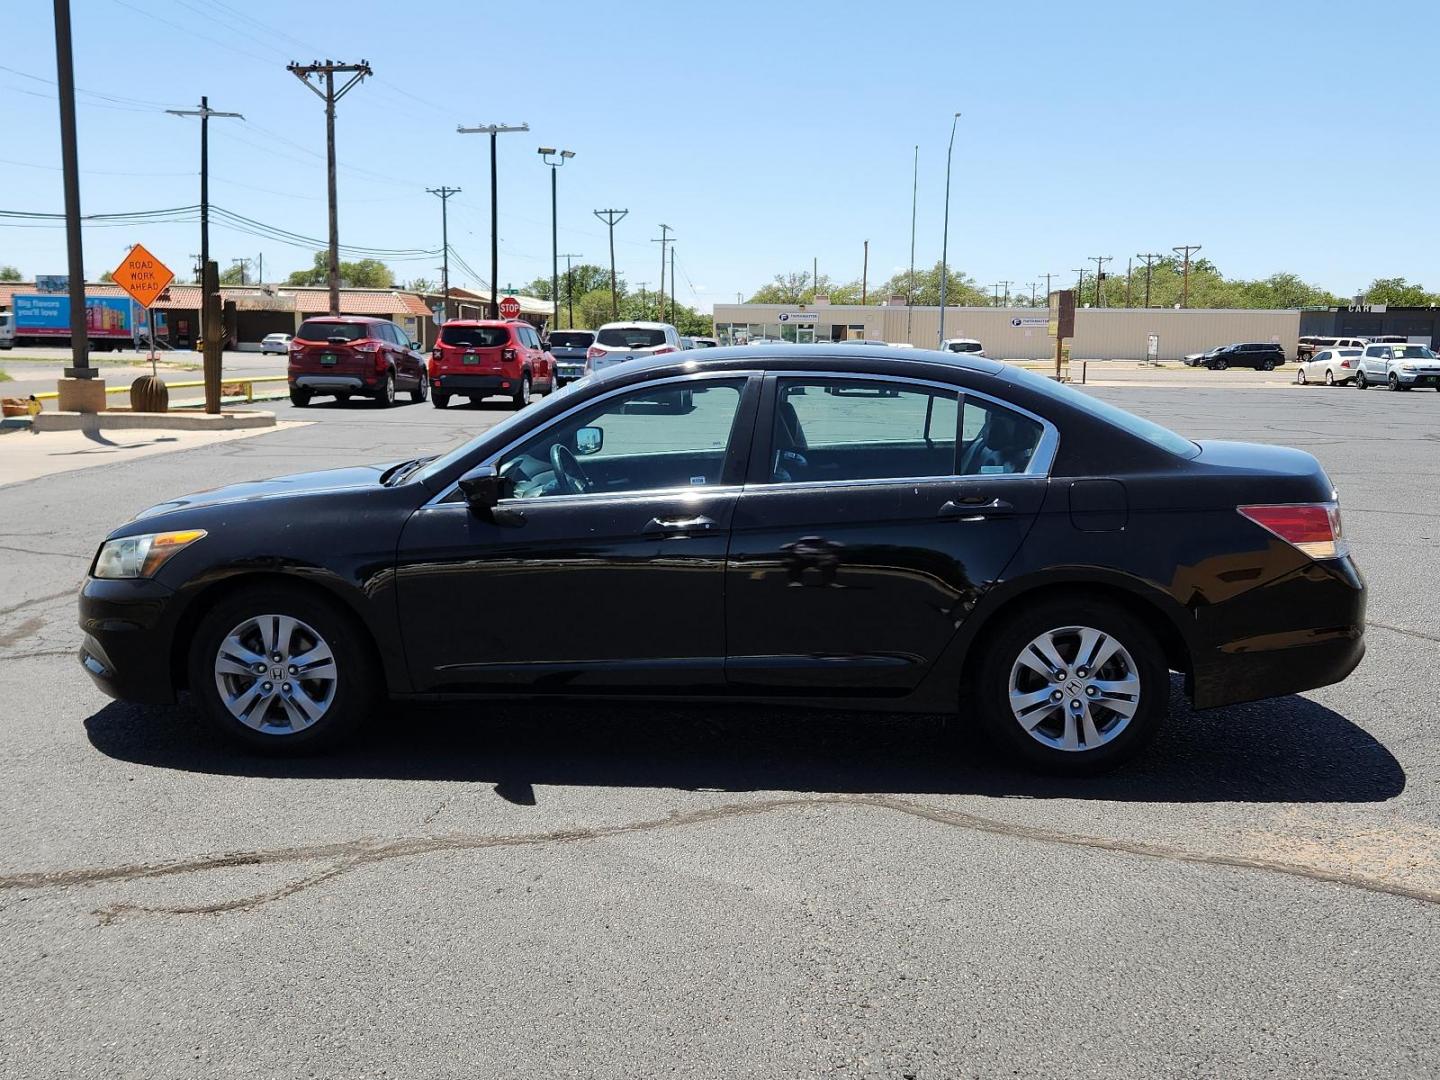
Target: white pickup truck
<point>7,330</point>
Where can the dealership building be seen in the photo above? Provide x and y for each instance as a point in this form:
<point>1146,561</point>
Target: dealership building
<point>1013,333</point>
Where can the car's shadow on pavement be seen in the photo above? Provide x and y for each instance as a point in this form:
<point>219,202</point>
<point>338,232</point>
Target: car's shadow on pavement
<point>1286,750</point>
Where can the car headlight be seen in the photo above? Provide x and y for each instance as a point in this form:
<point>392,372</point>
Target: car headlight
<point>141,556</point>
<point>1408,369</point>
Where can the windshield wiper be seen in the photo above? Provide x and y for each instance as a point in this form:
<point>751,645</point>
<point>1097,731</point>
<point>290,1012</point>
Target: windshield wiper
<point>397,473</point>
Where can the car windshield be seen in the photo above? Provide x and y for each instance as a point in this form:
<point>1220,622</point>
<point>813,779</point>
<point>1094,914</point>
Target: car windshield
<point>1151,432</point>
<point>1411,352</point>
<point>315,330</point>
<point>475,337</point>
<point>631,337</point>
<point>571,339</point>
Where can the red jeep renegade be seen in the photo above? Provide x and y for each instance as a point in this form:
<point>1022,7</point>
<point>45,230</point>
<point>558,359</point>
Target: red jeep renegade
<point>477,358</point>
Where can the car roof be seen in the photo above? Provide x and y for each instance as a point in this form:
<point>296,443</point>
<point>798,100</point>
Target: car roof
<point>480,322</point>
<point>640,323</point>
<point>741,357</point>
<point>345,318</point>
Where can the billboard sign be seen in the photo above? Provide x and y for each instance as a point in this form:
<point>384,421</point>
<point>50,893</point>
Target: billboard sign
<point>52,283</point>
<point>49,316</point>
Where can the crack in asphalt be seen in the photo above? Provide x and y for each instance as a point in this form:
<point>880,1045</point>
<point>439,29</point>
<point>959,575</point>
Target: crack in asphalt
<point>32,551</point>
<point>1403,630</point>
<point>353,854</point>
<point>71,591</point>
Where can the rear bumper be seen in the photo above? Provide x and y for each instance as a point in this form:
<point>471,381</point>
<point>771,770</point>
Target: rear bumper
<point>126,651</point>
<point>328,382</point>
<point>467,384</point>
<point>1303,631</point>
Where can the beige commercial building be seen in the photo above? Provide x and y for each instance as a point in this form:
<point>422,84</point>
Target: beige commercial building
<point>1013,333</point>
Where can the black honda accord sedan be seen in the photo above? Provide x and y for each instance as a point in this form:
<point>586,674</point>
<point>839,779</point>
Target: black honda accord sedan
<point>904,530</point>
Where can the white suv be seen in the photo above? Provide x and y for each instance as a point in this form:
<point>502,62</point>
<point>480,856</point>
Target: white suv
<point>618,342</point>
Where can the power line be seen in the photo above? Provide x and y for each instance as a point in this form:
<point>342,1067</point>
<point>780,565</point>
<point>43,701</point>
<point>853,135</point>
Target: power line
<point>1100,261</point>
<point>1186,250</point>
<point>1150,260</point>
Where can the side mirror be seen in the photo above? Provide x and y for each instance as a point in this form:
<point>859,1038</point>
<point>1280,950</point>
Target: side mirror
<point>589,440</point>
<point>415,344</point>
<point>483,489</point>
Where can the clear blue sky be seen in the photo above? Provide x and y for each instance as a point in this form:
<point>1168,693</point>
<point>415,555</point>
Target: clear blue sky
<point>1284,134</point>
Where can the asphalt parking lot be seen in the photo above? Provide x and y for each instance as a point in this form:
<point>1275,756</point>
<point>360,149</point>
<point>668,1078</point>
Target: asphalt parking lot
<point>525,890</point>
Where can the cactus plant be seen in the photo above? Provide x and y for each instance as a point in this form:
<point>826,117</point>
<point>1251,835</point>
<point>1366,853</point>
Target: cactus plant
<point>148,394</point>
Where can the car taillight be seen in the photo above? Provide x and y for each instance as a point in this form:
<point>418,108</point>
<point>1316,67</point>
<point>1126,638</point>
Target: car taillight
<point>594,352</point>
<point>366,346</point>
<point>1313,528</point>
<point>1344,363</point>
<point>508,354</point>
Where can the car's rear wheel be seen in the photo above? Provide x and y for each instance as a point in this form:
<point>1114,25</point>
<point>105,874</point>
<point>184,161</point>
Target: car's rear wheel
<point>521,397</point>
<point>1300,376</point>
<point>299,397</point>
<point>281,671</point>
<point>439,399</point>
<point>1072,685</point>
<point>386,395</point>
<point>1267,365</point>
<point>1329,377</point>
<point>342,396</point>
<point>422,389</point>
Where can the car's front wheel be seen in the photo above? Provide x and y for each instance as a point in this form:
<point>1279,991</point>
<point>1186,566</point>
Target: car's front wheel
<point>1361,383</point>
<point>1300,376</point>
<point>1219,365</point>
<point>281,671</point>
<point>1072,685</point>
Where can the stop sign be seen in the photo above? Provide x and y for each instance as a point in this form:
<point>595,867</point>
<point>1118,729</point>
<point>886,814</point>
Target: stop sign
<point>510,308</point>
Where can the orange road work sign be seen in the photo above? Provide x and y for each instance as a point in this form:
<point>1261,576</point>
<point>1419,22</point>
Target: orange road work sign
<point>142,275</point>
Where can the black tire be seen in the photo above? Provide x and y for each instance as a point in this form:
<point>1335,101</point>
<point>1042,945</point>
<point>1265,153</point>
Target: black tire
<point>358,683</point>
<point>1394,383</point>
<point>422,390</point>
<point>299,398</point>
<point>990,695</point>
<point>521,397</point>
<point>385,396</point>
<point>439,399</point>
<point>1267,365</point>
<point>1219,365</point>
<point>342,396</point>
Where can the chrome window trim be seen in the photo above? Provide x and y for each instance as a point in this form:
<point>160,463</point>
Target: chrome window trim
<point>1040,464</point>
<point>493,459</point>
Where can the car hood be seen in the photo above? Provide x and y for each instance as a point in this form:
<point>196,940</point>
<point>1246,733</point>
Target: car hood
<point>310,483</point>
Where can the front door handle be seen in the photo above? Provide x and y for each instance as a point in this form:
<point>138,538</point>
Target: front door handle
<point>678,525</point>
<point>975,507</point>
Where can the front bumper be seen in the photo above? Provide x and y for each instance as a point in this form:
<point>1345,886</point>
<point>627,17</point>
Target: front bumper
<point>128,631</point>
<point>1418,378</point>
<point>1302,631</point>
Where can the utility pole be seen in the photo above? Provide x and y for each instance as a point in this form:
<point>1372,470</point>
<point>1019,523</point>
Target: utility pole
<point>260,269</point>
<point>672,286</point>
<point>546,153</point>
<point>494,131</point>
<point>1100,261</point>
<point>814,273</point>
<point>1006,286</point>
<point>1185,250</point>
<point>945,235</point>
<point>865,274</point>
<point>662,240</point>
<point>1033,286</point>
<point>610,217</point>
<point>910,281</point>
<point>209,275</point>
<point>570,284</point>
<point>444,193</point>
<point>244,265</point>
<point>1047,287</point>
<point>1129,274</point>
<point>1150,260</point>
<point>1080,288</point>
<point>330,96</point>
<point>70,156</point>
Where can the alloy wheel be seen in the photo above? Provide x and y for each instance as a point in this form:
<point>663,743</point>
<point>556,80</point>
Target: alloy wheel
<point>275,674</point>
<point>1300,377</point>
<point>1329,377</point>
<point>1074,688</point>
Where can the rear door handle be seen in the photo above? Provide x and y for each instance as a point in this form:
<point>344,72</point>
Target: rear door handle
<point>679,525</point>
<point>965,508</point>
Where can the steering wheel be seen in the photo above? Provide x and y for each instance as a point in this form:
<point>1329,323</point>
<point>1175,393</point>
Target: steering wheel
<point>567,469</point>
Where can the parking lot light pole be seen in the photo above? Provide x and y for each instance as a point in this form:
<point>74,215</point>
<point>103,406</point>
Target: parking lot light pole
<point>493,130</point>
<point>546,153</point>
<point>945,236</point>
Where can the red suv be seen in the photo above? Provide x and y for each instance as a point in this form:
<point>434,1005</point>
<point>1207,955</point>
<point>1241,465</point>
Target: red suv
<point>344,355</point>
<point>476,358</point>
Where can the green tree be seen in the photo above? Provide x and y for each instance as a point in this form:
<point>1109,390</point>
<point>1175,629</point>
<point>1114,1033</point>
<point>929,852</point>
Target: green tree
<point>1398,292</point>
<point>234,274</point>
<point>10,273</point>
<point>107,277</point>
<point>796,287</point>
<point>924,288</point>
<point>422,285</point>
<point>365,274</point>
<point>585,278</point>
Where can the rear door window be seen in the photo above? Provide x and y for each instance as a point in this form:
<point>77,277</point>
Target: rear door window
<point>995,440</point>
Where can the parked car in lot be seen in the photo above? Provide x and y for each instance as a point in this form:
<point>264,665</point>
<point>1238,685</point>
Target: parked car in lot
<point>480,358</point>
<point>569,347</point>
<point>864,528</point>
<point>1196,359</point>
<point>617,342</point>
<point>963,345</point>
<point>1400,367</point>
<point>1329,366</point>
<point>347,355</point>
<point>1260,355</point>
<point>1307,346</point>
<point>706,343</point>
<point>275,343</point>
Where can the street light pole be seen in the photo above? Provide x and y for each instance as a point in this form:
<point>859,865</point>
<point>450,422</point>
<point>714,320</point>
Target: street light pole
<point>546,153</point>
<point>945,238</point>
<point>494,131</point>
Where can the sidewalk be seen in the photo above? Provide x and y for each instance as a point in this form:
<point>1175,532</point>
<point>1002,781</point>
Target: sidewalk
<point>30,455</point>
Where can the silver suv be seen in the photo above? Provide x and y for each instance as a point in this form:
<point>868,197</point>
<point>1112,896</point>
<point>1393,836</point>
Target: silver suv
<point>1400,367</point>
<point>618,342</point>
